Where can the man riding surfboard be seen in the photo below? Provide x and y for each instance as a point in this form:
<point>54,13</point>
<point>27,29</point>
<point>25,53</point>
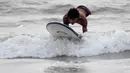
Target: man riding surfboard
<point>77,15</point>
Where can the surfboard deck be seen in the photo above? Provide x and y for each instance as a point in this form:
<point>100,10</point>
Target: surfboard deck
<point>60,30</point>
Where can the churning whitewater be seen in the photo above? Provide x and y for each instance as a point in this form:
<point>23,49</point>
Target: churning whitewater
<point>23,32</point>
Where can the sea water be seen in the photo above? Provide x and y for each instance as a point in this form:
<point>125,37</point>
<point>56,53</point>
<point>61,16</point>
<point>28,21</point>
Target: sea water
<point>105,46</point>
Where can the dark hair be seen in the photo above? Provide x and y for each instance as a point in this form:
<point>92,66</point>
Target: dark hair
<point>73,13</point>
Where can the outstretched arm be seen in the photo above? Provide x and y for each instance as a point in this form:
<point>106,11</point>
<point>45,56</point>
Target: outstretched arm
<point>84,26</point>
<point>83,22</point>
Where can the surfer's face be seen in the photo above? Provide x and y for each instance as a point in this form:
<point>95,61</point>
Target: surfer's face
<point>72,21</point>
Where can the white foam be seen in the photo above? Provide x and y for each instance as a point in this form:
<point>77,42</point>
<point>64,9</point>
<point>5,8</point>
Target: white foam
<point>44,46</point>
<point>95,43</point>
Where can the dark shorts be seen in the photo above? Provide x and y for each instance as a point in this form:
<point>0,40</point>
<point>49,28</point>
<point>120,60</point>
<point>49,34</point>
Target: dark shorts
<point>85,9</point>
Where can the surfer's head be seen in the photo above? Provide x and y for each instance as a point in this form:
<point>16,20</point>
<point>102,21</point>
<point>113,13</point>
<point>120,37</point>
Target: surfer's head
<point>73,15</point>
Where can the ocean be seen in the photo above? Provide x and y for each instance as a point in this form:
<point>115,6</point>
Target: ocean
<point>26,46</point>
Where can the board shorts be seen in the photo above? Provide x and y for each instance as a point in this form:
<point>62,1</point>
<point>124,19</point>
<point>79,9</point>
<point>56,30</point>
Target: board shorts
<point>88,12</point>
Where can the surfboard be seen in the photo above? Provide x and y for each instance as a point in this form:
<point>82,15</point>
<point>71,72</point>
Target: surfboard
<point>60,30</point>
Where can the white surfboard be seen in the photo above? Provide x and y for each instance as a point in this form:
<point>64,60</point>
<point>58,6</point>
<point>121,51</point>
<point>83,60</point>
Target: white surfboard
<point>60,30</point>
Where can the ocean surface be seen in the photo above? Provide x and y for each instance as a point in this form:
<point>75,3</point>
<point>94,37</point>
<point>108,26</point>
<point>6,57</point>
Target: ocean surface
<point>27,47</point>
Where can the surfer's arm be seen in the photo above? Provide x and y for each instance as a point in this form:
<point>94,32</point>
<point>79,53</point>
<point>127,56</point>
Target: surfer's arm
<point>83,23</point>
<point>65,20</point>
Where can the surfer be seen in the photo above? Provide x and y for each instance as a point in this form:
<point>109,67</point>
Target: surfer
<point>77,15</point>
